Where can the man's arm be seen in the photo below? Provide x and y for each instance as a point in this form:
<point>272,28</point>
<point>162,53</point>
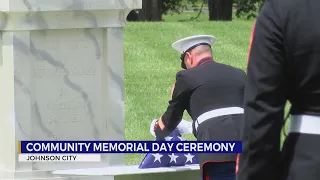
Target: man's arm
<point>265,97</point>
<point>173,115</point>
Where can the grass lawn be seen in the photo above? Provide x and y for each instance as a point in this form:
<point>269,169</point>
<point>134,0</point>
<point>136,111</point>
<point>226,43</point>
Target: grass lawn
<point>151,64</point>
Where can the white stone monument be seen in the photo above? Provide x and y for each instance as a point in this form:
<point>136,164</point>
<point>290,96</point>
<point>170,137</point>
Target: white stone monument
<point>61,77</point>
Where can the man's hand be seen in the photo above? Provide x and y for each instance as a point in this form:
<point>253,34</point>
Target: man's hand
<point>185,127</point>
<point>158,124</point>
<point>152,125</point>
<point>159,129</point>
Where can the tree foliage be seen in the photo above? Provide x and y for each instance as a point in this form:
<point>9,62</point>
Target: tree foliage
<point>176,6</point>
<point>244,8</point>
<point>248,8</point>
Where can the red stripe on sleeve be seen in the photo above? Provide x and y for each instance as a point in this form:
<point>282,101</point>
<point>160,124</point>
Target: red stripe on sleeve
<point>237,163</point>
<point>251,39</point>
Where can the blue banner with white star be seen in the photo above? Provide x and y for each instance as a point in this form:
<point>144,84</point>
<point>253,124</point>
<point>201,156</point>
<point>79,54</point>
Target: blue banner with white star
<point>156,160</point>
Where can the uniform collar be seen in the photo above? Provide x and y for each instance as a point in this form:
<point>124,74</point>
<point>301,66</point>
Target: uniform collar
<point>204,61</point>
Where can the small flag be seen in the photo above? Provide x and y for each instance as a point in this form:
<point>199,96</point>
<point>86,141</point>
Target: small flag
<point>156,160</point>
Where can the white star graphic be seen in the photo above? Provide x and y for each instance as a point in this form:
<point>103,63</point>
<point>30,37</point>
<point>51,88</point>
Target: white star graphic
<point>168,138</point>
<point>157,157</point>
<point>181,138</point>
<point>173,158</point>
<point>189,157</point>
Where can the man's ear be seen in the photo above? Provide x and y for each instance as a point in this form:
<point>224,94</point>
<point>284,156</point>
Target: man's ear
<point>189,57</point>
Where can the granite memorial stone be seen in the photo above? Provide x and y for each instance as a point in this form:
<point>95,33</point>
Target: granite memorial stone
<point>61,77</point>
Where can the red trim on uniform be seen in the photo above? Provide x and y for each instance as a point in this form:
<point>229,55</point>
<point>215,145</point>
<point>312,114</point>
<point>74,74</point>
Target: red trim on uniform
<point>237,163</point>
<point>174,85</point>
<point>204,62</point>
<point>251,39</point>
<point>206,177</point>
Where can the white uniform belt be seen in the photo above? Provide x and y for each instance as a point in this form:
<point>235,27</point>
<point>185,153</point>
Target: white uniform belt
<point>216,113</point>
<point>306,124</point>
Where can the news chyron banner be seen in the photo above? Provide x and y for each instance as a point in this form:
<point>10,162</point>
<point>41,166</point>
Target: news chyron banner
<point>90,151</point>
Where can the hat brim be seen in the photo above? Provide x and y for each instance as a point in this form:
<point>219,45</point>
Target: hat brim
<point>183,44</point>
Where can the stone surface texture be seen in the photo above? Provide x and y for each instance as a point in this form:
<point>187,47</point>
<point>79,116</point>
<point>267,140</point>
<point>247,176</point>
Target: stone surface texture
<point>61,77</point>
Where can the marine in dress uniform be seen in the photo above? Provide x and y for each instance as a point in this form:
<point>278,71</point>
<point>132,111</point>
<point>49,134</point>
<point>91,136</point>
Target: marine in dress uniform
<point>284,64</point>
<point>212,93</point>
